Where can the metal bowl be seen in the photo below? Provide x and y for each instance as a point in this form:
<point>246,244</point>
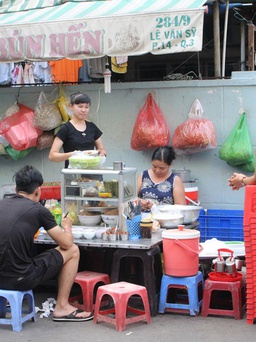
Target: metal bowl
<point>190,212</point>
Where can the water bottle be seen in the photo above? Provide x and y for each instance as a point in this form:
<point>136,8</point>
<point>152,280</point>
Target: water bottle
<point>57,212</point>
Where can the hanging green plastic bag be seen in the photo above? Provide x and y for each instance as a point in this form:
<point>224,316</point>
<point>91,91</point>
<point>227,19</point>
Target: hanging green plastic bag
<point>237,148</point>
<point>249,166</point>
<point>15,154</point>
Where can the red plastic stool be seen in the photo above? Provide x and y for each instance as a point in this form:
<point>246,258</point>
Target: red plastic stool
<point>212,288</point>
<point>120,293</point>
<point>88,281</point>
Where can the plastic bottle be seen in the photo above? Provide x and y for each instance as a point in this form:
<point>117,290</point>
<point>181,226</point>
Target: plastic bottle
<point>57,212</point>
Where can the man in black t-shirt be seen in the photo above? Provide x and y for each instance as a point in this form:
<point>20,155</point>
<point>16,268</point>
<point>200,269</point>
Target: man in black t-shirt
<point>21,216</point>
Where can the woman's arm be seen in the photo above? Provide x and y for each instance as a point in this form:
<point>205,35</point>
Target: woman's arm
<point>178,191</point>
<point>55,154</point>
<point>100,147</point>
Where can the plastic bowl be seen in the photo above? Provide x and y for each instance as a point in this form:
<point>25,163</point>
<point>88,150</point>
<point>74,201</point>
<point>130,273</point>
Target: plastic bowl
<point>169,220</point>
<point>91,220</point>
<point>77,233</point>
<point>89,233</point>
<point>110,220</point>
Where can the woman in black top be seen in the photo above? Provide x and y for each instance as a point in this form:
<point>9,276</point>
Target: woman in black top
<point>78,134</point>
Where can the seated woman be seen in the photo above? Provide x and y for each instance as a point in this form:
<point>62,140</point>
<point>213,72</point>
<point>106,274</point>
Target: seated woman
<point>158,185</point>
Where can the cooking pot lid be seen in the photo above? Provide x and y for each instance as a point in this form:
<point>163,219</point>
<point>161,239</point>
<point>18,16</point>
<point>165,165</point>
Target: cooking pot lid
<point>180,234</point>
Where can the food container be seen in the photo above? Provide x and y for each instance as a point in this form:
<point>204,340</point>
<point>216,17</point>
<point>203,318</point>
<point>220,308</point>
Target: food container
<point>89,233</point>
<point>90,220</point>
<point>169,220</point>
<point>79,160</point>
<point>183,174</point>
<point>77,232</point>
<point>190,212</point>
<point>181,250</point>
<point>110,220</point>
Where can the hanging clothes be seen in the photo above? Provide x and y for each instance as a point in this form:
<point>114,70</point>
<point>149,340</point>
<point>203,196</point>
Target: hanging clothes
<point>84,73</point>
<point>119,64</point>
<point>6,73</point>
<point>28,77</point>
<point>42,72</point>
<point>96,67</point>
<point>65,70</point>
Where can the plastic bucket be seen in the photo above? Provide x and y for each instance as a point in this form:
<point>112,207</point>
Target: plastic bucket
<point>181,250</point>
<point>192,195</point>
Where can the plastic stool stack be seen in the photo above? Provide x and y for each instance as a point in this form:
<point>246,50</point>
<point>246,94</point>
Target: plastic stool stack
<point>191,285</point>
<point>214,304</point>
<point>250,251</point>
<point>18,314</point>
<point>124,314</point>
<point>88,281</point>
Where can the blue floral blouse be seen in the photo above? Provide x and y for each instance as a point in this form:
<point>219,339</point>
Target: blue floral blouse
<point>157,192</point>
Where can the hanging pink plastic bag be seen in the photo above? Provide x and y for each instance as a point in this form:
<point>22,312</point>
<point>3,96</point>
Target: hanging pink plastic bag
<point>196,134</point>
<point>150,129</point>
<point>19,130</point>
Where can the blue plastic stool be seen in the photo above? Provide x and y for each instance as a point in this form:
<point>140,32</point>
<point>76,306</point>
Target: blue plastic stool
<point>18,315</point>
<point>191,284</point>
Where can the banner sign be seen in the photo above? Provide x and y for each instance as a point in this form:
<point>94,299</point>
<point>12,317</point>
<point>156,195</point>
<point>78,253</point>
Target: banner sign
<point>129,35</point>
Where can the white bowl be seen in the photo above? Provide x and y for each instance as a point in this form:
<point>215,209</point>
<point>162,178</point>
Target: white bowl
<point>77,233</point>
<point>169,220</point>
<point>89,233</point>
<point>190,212</point>
<point>99,232</point>
<point>111,220</point>
<point>91,220</point>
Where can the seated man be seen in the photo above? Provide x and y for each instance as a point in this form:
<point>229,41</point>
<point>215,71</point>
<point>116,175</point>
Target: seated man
<point>21,216</point>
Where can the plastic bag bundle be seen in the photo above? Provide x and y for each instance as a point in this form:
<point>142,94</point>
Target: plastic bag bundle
<point>19,130</point>
<point>45,140</point>
<point>196,134</point>
<point>150,129</point>
<point>63,104</point>
<point>237,149</point>
<point>47,113</point>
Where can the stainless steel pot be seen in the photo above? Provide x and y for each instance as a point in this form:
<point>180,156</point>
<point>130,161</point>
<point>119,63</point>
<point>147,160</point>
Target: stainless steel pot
<point>190,184</point>
<point>184,174</point>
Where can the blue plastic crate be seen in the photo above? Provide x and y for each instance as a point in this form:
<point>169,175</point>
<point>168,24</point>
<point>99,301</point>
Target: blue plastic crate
<point>224,225</point>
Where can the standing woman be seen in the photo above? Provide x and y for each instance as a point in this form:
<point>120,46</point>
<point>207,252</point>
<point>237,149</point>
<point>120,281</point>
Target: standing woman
<point>78,133</point>
<point>158,185</point>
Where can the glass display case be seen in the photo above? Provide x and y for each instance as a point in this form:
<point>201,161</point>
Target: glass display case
<point>96,190</point>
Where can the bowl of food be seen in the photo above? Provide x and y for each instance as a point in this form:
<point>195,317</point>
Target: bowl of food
<point>99,232</point>
<point>190,212</point>
<point>77,232</point>
<point>169,220</point>
<point>89,218</point>
<point>110,220</point>
<point>89,233</point>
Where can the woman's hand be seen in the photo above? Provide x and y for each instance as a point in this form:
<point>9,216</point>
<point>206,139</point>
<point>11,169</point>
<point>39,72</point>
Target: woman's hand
<point>146,204</point>
<point>236,182</point>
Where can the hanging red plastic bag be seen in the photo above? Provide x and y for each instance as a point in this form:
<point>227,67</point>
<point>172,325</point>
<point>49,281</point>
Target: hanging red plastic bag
<point>196,134</point>
<point>150,129</point>
<point>237,148</point>
<point>19,130</point>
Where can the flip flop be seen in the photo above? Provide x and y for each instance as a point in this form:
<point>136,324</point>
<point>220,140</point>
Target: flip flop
<point>73,318</point>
